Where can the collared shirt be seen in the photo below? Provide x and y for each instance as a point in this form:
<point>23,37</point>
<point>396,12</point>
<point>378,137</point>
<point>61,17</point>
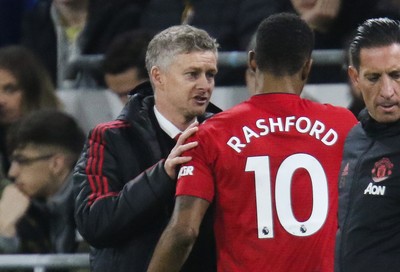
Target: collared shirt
<point>166,125</point>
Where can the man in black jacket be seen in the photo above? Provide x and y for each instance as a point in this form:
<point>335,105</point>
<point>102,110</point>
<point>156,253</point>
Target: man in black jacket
<point>37,207</point>
<point>125,178</point>
<point>369,223</point>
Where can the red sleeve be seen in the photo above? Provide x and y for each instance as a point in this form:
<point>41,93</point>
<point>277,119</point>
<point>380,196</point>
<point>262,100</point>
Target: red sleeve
<point>196,177</point>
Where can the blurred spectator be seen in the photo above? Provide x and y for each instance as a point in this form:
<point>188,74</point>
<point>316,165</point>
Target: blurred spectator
<point>36,211</point>
<point>11,13</point>
<point>25,86</point>
<point>107,19</point>
<point>231,22</point>
<point>333,22</point>
<point>124,63</point>
<point>52,30</point>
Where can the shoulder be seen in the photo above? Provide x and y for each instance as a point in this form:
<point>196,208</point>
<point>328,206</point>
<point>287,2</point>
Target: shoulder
<point>108,128</point>
<point>330,110</point>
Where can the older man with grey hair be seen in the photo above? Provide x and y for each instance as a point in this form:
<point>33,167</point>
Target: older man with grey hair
<point>125,178</point>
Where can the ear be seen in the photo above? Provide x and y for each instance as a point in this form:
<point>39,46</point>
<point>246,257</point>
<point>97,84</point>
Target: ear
<point>57,164</point>
<point>306,69</point>
<point>156,76</point>
<point>353,76</point>
<point>252,64</point>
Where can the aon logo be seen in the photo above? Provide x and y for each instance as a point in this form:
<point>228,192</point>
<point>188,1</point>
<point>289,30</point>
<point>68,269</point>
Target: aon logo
<point>186,171</point>
<point>374,190</point>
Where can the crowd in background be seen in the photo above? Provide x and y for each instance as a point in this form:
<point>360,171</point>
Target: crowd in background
<point>40,38</point>
<point>59,31</point>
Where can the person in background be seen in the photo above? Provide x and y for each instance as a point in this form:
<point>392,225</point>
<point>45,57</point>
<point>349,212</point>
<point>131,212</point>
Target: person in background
<point>232,23</point>
<point>25,86</point>
<point>124,63</point>
<point>52,30</point>
<point>368,237</point>
<point>107,19</point>
<point>262,167</point>
<point>333,22</point>
<point>125,177</point>
<point>37,207</point>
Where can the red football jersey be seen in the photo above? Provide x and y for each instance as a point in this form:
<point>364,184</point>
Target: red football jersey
<point>270,166</point>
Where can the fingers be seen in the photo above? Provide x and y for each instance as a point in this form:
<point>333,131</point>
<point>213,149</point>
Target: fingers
<point>180,160</point>
<point>174,159</point>
<point>186,147</point>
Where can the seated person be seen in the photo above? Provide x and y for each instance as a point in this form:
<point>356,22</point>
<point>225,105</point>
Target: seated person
<point>37,207</point>
<point>124,63</point>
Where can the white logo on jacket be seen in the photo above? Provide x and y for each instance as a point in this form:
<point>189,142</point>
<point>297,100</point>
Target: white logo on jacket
<point>374,189</point>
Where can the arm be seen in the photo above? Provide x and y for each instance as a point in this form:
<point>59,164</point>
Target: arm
<point>178,238</point>
<point>107,209</point>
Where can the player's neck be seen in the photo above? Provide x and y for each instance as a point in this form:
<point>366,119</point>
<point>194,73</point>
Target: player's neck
<point>287,84</point>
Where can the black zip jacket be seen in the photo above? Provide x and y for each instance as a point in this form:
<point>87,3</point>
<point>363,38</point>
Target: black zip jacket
<point>369,199</point>
<point>124,196</point>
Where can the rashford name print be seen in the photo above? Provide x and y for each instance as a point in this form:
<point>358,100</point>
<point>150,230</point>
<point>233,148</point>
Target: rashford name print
<point>303,125</point>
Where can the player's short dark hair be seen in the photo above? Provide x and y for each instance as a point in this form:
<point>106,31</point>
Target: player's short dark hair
<point>128,50</point>
<point>47,127</point>
<point>284,42</point>
<point>375,32</point>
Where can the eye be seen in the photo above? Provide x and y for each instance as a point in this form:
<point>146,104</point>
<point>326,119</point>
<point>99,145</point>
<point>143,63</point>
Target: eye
<point>210,75</point>
<point>192,74</point>
<point>395,75</point>
<point>10,88</point>
<point>373,77</point>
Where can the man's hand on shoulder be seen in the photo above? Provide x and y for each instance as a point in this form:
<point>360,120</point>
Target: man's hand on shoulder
<point>174,158</point>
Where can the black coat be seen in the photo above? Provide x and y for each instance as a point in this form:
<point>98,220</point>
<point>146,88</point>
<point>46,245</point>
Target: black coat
<point>124,196</point>
<point>368,239</point>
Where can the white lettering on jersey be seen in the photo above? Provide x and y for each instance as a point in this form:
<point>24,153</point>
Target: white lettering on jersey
<point>234,142</point>
<point>375,189</point>
<point>248,133</point>
<point>303,125</point>
<point>186,171</point>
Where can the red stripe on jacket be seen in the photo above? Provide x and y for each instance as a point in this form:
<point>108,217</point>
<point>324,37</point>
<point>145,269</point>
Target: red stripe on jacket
<point>94,168</point>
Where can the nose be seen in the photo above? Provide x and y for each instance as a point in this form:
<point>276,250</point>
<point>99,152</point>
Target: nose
<point>205,82</point>
<point>387,87</point>
<point>13,171</point>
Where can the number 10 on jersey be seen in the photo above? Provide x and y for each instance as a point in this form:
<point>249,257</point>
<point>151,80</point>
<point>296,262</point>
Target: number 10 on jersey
<point>261,167</point>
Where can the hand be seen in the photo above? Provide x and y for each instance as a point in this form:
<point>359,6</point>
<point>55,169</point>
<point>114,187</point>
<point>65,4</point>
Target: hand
<point>174,159</point>
<point>321,15</point>
<point>13,206</point>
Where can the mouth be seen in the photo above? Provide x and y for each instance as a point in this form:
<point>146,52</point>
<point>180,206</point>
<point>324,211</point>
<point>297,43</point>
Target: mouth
<point>388,107</point>
<point>201,100</point>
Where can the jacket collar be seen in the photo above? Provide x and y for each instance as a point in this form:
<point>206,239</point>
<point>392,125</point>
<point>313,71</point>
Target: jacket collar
<point>377,129</point>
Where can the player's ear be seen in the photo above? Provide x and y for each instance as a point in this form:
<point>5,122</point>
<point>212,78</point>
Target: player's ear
<point>252,64</point>
<point>306,69</point>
